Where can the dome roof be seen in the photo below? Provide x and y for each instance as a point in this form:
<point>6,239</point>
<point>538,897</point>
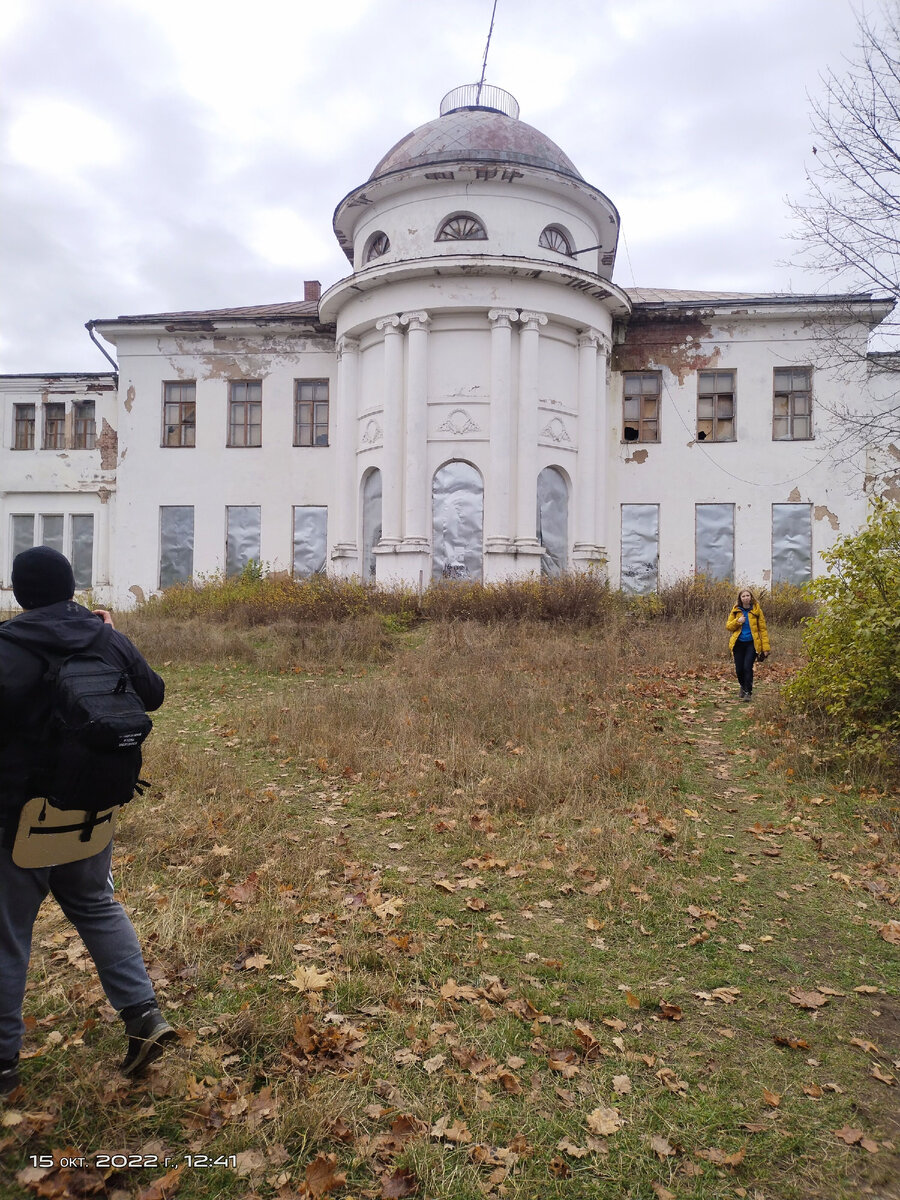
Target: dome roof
<point>475,135</point>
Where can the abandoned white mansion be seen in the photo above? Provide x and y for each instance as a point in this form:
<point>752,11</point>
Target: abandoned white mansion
<point>476,398</point>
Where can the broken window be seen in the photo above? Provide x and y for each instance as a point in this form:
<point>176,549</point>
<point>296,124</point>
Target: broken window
<point>54,426</point>
<point>553,521</point>
<point>22,533</point>
<point>791,543</point>
<point>245,413</point>
<point>640,406</point>
<point>554,237</point>
<point>310,412</point>
<point>23,438</point>
<point>82,556</point>
<point>179,413</point>
<point>461,228</point>
<point>792,406</point>
<point>176,544</point>
<point>52,531</point>
<point>715,540</point>
<point>242,538</point>
<point>715,406</point>
<point>457,505</point>
<point>378,244</point>
<point>84,425</point>
<point>371,521</point>
<point>640,548</point>
<point>310,540</point>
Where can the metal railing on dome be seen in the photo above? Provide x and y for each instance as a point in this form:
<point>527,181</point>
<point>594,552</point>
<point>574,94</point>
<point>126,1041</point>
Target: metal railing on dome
<point>484,95</point>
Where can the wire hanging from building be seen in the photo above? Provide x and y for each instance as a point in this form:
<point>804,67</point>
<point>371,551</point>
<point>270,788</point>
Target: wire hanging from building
<point>486,49</point>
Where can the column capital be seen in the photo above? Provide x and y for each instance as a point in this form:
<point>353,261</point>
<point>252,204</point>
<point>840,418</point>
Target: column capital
<point>502,317</point>
<point>388,325</point>
<point>415,320</point>
<point>533,320</point>
<point>593,337</point>
<point>347,345</point>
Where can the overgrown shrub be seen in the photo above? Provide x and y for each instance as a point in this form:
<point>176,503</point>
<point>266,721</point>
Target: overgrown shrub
<point>851,683</point>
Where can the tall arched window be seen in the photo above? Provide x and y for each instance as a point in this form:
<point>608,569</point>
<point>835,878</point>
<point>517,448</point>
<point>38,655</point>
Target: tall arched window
<point>379,243</point>
<point>462,227</point>
<point>371,521</point>
<point>553,520</point>
<point>554,237</point>
<point>457,506</point>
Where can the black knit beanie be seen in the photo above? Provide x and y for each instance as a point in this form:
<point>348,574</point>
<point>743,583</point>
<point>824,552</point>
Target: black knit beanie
<point>42,576</point>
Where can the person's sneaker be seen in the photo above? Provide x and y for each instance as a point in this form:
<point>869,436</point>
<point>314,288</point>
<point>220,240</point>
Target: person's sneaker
<point>9,1076</point>
<point>743,694</point>
<point>147,1038</point>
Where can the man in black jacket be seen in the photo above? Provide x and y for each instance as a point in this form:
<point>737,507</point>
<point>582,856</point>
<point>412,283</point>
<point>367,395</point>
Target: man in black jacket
<point>52,622</point>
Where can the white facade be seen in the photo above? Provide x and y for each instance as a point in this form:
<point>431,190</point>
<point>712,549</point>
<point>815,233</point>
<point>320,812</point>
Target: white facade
<point>476,398</point>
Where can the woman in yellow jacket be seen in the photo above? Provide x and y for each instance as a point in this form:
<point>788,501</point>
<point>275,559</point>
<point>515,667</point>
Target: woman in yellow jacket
<point>749,639</point>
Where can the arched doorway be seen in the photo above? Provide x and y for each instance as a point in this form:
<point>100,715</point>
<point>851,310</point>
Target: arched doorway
<point>553,520</point>
<point>457,508</point>
<point>371,521</point>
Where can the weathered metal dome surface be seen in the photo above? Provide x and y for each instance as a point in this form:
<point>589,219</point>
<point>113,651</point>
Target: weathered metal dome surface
<point>475,135</point>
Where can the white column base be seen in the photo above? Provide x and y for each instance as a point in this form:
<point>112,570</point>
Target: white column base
<point>588,559</point>
<point>406,563</point>
<point>345,560</point>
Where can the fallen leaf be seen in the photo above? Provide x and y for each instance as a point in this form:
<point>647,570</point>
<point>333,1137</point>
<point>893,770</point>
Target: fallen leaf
<point>605,1121</point>
<point>321,1176</point>
<point>621,1084</point>
<point>661,1147</point>
<point>568,1147</point>
<point>164,1187</point>
<point>890,1080</point>
<point>771,1098</point>
<point>434,1064</point>
<point>401,1183</point>
<point>670,1011</point>
<point>632,1000</point>
<point>848,1135</point>
<point>309,979</point>
<point>807,999</point>
<point>890,932</point>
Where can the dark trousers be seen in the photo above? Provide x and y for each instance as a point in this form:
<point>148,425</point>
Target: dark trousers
<point>744,658</point>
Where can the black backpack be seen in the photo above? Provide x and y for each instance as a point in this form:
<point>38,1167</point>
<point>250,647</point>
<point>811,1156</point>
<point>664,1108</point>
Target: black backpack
<point>98,724</point>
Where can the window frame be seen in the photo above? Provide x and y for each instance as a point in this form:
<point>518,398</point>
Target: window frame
<point>640,397</point>
<point>84,428</point>
<point>547,236</point>
<point>252,406</point>
<point>27,423</point>
<point>315,404</point>
<point>790,416</point>
<point>717,396</point>
<point>477,232</point>
<point>377,245</point>
<point>182,425</point>
<point>55,425</point>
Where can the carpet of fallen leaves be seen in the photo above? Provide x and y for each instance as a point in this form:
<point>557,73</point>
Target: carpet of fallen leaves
<point>388,985</point>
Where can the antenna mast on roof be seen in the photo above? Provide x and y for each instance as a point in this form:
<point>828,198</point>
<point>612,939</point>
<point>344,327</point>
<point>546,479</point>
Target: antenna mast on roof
<point>486,49</point>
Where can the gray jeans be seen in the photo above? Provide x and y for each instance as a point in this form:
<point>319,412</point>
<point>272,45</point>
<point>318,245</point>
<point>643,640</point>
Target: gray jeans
<point>84,891</point>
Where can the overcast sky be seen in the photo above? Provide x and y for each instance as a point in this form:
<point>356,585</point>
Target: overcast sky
<point>158,155</point>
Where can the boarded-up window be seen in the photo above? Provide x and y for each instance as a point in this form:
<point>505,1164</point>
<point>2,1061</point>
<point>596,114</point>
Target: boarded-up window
<point>715,540</point>
<point>22,530</point>
<point>242,541</point>
<point>640,548</point>
<point>23,438</point>
<point>176,544</point>
<point>83,550</point>
<point>179,413</point>
<point>310,540</point>
<point>792,405</point>
<point>245,413</point>
<point>53,531</point>
<point>84,425</point>
<point>640,406</point>
<point>791,543</point>
<point>54,426</point>
<point>553,521</point>
<point>457,505</point>
<point>371,521</point>
<point>715,406</point>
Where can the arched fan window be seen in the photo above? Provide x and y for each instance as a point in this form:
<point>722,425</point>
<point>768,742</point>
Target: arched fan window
<point>378,244</point>
<point>555,238</point>
<point>462,227</point>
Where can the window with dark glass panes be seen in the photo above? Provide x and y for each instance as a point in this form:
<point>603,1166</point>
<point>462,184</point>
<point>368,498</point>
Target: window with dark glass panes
<point>792,405</point>
<point>24,427</point>
<point>715,406</point>
<point>54,426</point>
<point>179,413</point>
<point>640,406</point>
<point>84,426</point>
<point>245,412</point>
<point>311,412</point>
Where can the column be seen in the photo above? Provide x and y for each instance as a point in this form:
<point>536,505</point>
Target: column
<point>497,514</point>
<point>526,442</point>
<point>602,443</point>
<point>586,470</point>
<point>417,507</point>
<point>346,494</point>
<point>392,453</point>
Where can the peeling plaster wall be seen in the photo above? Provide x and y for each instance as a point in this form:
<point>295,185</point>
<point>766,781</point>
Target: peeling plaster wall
<point>753,472</point>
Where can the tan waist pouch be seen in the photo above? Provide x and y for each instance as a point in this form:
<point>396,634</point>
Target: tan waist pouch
<point>49,837</point>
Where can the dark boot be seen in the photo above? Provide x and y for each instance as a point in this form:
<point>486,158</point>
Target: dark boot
<point>147,1037</point>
